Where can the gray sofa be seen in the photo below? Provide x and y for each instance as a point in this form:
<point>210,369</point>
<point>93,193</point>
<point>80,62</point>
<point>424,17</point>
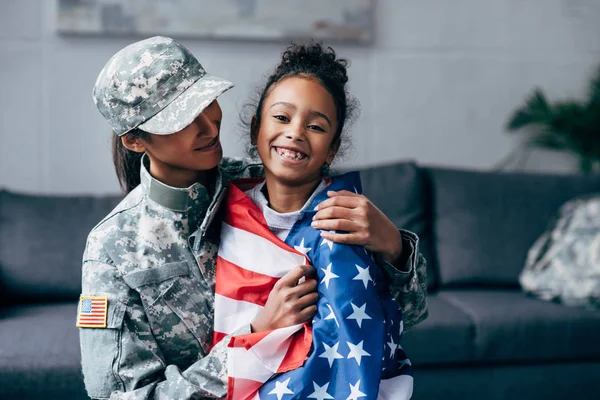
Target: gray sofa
<point>483,339</point>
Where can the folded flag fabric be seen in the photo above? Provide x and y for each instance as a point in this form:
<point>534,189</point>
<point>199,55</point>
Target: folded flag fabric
<point>352,350</point>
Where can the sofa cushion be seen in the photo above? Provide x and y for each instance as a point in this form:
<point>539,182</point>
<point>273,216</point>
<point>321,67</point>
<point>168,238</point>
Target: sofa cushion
<point>544,381</point>
<point>42,239</point>
<point>398,190</point>
<point>510,327</point>
<point>485,222</point>
<point>444,338</point>
<point>39,353</point>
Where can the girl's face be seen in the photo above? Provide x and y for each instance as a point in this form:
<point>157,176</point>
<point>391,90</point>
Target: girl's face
<point>298,125</point>
<point>177,159</point>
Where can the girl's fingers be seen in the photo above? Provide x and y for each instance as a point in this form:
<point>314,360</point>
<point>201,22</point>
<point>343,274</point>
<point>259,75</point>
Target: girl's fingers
<point>307,301</point>
<point>307,314</point>
<point>306,287</point>
<point>292,277</point>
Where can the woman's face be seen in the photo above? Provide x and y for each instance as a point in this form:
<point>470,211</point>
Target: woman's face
<point>298,125</point>
<point>180,158</point>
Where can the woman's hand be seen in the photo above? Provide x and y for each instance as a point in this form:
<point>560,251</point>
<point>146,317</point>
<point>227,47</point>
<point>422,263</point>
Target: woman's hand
<point>366,225</point>
<point>289,303</point>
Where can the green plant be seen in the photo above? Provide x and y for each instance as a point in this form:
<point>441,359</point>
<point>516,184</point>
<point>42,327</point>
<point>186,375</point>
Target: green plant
<point>572,126</point>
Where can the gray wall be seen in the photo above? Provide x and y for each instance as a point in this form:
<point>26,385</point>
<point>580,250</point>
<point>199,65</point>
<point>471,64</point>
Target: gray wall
<point>436,86</point>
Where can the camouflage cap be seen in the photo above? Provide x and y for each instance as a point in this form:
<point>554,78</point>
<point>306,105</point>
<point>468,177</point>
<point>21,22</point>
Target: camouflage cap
<point>156,85</point>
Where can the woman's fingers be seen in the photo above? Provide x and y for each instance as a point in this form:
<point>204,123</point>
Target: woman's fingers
<point>338,225</point>
<point>359,238</point>
<point>335,212</point>
<point>342,199</point>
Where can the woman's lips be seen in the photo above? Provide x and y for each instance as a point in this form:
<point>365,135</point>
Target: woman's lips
<point>209,145</point>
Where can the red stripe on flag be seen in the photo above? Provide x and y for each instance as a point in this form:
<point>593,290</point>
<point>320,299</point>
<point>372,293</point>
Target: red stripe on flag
<point>217,337</point>
<point>242,213</point>
<point>238,283</point>
<point>298,351</point>
<point>237,386</point>
<point>248,340</point>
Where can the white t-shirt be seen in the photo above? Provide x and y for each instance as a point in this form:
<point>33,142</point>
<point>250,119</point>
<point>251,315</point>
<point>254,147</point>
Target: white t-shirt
<point>279,223</point>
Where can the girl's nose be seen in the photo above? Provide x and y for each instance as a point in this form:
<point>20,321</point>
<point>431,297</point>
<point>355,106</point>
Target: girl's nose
<point>295,133</point>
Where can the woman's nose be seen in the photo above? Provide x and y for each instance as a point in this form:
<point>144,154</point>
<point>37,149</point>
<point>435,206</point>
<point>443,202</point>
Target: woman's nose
<point>206,125</point>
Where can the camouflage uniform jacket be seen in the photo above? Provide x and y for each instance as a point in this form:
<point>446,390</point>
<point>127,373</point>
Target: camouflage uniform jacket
<point>154,258</point>
<point>563,265</point>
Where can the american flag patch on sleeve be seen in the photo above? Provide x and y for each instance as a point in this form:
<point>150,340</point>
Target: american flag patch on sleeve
<point>92,312</point>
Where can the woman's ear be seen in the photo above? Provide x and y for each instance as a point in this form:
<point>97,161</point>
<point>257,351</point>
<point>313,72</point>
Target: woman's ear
<point>253,131</point>
<point>132,143</point>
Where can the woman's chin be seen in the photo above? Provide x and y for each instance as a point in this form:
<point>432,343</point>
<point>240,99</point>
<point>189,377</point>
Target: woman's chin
<point>208,161</point>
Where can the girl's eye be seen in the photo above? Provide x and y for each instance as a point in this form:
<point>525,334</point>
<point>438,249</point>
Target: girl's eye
<point>317,128</point>
<point>281,118</point>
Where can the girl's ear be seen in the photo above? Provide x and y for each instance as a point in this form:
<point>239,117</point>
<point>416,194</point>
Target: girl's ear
<point>253,131</point>
<point>333,149</point>
<point>132,143</point>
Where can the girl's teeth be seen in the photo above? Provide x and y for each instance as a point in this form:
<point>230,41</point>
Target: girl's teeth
<point>290,154</point>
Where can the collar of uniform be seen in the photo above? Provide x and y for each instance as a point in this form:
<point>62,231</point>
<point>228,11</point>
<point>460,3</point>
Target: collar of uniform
<point>176,199</point>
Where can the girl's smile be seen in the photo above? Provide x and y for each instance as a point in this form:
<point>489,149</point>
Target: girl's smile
<point>291,155</point>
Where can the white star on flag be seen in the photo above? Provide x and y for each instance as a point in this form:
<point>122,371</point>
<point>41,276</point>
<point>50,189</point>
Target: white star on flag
<point>357,352</point>
<point>404,362</point>
<point>359,314</point>
<point>331,353</point>
<point>355,392</point>
<point>302,249</point>
<point>363,275</point>
<point>328,275</point>
<point>320,392</point>
<point>332,316</point>
<point>327,242</point>
<point>281,389</point>
<point>393,346</point>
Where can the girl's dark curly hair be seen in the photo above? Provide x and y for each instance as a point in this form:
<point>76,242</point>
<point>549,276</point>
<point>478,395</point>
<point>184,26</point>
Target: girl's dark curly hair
<point>315,61</point>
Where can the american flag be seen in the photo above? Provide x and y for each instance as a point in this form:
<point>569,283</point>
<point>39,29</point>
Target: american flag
<point>92,312</point>
<point>353,349</point>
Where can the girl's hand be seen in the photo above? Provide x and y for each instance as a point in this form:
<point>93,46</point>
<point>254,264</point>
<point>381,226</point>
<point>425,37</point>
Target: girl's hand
<point>289,303</point>
<point>366,225</point>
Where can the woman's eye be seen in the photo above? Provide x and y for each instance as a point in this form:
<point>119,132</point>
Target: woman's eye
<point>317,128</point>
<point>281,118</point>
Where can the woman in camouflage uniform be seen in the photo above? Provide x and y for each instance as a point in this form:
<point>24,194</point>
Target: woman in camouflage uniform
<point>147,305</point>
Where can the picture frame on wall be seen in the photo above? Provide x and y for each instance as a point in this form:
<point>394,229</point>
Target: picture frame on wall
<point>275,20</point>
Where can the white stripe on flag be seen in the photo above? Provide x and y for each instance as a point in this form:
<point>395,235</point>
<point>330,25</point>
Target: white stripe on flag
<point>397,388</point>
<point>233,314</point>
<point>242,365</point>
<point>255,253</point>
<point>264,358</point>
<point>273,347</point>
